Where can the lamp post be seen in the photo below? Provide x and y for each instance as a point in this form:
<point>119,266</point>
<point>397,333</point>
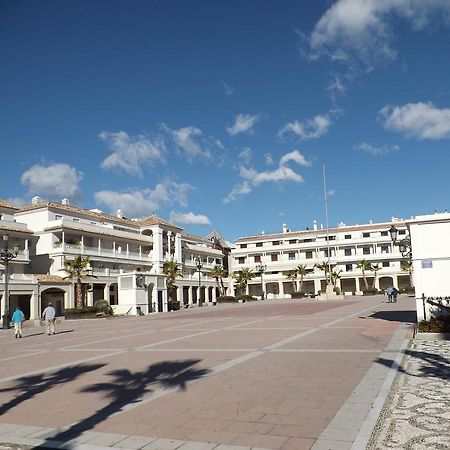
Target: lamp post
<point>404,244</point>
<point>261,268</point>
<point>198,263</point>
<point>5,256</point>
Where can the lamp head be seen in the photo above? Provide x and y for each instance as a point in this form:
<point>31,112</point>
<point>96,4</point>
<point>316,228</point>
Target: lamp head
<point>394,233</point>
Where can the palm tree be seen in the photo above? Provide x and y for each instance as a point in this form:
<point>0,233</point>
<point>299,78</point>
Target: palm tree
<point>324,267</point>
<point>78,269</point>
<point>242,279</point>
<point>302,270</point>
<point>292,276</point>
<point>172,271</point>
<point>364,265</point>
<point>375,268</point>
<point>407,266</point>
<point>219,273</point>
<point>335,276</point>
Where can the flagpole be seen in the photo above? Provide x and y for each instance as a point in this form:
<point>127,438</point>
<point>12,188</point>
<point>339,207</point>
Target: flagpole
<point>325,196</point>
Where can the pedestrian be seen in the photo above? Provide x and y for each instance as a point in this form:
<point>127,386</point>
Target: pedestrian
<point>17,319</point>
<point>48,315</point>
<point>389,292</point>
<point>394,294</point>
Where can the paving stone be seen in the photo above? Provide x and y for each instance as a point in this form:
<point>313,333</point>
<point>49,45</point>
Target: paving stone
<point>106,439</point>
<point>164,444</point>
<point>135,442</point>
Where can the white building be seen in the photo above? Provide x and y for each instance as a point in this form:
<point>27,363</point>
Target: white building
<point>430,243</point>
<point>126,258</point>
<point>347,246</point>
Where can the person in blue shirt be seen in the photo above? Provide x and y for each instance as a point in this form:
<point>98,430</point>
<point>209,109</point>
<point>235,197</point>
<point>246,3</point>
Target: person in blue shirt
<point>17,319</point>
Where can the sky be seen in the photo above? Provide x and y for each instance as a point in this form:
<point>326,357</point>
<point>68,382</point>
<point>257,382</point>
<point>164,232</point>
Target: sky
<point>223,114</point>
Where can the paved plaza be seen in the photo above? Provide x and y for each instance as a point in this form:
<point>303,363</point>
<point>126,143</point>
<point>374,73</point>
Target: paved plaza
<point>286,374</point>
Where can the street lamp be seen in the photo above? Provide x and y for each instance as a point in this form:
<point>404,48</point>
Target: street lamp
<point>261,268</point>
<point>5,256</point>
<point>198,263</point>
<point>404,244</point>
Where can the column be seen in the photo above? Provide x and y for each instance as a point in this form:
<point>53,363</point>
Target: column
<point>180,295</point>
<point>207,299</point>
<point>178,248</point>
<point>280,289</point>
<point>106,293</point>
<point>169,244</point>
<point>34,305</point>
<point>377,283</point>
<point>214,295</point>
<point>128,250</point>
<point>199,295</point>
<point>90,298</point>
<point>157,248</point>
<point>190,300</point>
<point>155,298</point>
<point>99,246</point>
<point>62,238</point>
<point>317,286</point>
<point>358,287</point>
<point>82,244</point>
<point>395,281</point>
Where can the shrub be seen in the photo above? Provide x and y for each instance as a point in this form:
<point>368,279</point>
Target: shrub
<point>226,299</point>
<point>336,290</point>
<point>435,325</point>
<point>103,307</point>
<point>370,292</point>
<point>298,294</point>
<point>173,305</point>
<point>79,312</point>
<point>246,298</point>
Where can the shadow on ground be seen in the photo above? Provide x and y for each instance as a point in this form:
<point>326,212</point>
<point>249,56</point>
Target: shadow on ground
<point>395,316</point>
<point>125,389</point>
<point>29,386</point>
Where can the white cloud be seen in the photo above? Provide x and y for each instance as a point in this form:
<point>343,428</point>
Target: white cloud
<point>227,89</point>
<point>191,142</point>
<point>308,129</point>
<point>377,151</point>
<point>245,155</point>
<point>53,181</point>
<point>243,123</point>
<point>130,153</point>
<point>17,201</point>
<point>268,158</point>
<point>419,120</point>
<point>140,203</point>
<point>189,218</point>
<point>361,30</point>
<point>252,178</point>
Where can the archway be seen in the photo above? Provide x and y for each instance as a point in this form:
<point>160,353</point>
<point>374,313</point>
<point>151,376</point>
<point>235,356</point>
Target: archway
<point>386,282</point>
<point>55,296</point>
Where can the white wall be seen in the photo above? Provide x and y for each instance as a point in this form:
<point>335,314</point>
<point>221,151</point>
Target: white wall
<point>430,242</point>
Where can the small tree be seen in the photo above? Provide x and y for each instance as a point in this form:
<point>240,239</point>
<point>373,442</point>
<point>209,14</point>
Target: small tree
<point>219,273</point>
<point>242,279</point>
<point>364,265</point>
<point>375,268</point>
<point>172,272</point>
<point>302,270</point>
<point>78,269</point>
<point>292,276</point>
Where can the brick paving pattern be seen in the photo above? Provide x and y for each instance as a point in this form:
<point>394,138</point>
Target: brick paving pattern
<point>266,375</point>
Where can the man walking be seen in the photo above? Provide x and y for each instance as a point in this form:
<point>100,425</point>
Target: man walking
<point>17,319</point>
<point>49,316</point>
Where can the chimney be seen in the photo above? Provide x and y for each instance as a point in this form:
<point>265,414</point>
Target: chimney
<point>314,224</point>
<point>285,228</point>
<point>36,200</point>
<point>65,201</point>
<point>119,213</point>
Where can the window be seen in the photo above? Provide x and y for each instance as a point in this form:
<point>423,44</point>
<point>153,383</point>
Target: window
<point>243,245</point>
<point>384,233</point>
<point>366,235</point>
<point>76,220</point>
<point>93,223</point>
<point>348,236</point>
<point>275,242</point>
<point>307,240</point>
<point>309,255</point>
<point>325,253</point>
<point>259,244</point>
<point>386,264</point>
<point>331,238</point>
<point>274,257</point>
<point>384,249</point>
<point>291,256</point>
<point>257,258</point>
<point>58,216</point>
<point>366,251</point>
<point>401,231</point>
<point>241,260</point>
<point>348,252</point>
<point>293,241</point>
<point>349,267</point>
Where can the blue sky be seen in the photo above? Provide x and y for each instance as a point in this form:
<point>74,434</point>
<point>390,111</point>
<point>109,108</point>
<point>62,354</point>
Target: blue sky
<point>220,114</point>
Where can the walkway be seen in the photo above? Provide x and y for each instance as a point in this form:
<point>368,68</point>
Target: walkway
<point>293,374</point>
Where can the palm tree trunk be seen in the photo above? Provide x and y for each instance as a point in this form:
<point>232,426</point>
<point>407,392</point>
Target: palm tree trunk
<point>365,280</point>
<point>79,294</point>
<point>301,283</point>
<point>222,288</point>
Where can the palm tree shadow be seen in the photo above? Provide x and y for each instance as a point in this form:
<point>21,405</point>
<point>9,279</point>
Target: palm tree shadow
<point>127,388</point>
<point>29,386</point>
<point>435,365</point>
